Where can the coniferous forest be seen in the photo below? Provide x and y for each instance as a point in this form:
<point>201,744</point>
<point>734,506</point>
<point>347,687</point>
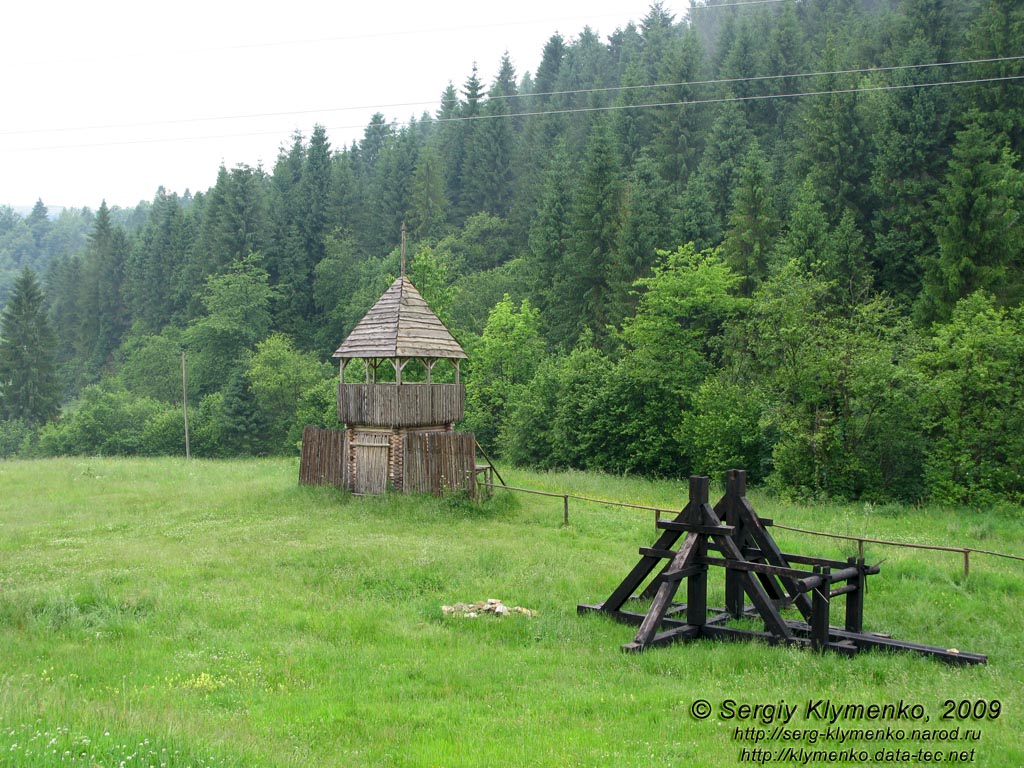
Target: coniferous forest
<point>783,236</point>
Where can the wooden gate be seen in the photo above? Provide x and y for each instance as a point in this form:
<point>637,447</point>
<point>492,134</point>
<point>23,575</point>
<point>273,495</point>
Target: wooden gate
<point>372,461</point>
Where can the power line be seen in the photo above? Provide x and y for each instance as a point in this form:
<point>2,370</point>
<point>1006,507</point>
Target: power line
<point>186,120</point>
<point>733,5</point>
<point>756,78</point>
<point>725,99</point>
<point>566,111</point>
<point>578,91</point>
<point>377,35</point>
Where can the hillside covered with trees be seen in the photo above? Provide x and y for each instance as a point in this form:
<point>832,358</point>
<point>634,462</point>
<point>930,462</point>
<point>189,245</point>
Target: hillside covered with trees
<point>783,236</point>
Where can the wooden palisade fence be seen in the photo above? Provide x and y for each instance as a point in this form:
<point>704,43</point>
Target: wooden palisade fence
<point>323,458</point>
<point>428,461</point>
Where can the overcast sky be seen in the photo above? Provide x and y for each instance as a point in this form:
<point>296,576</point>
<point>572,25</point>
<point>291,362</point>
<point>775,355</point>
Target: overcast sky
<point>111,100</point>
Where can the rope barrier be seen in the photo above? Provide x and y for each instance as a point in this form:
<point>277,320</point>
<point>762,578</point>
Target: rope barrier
<point>861,540</point>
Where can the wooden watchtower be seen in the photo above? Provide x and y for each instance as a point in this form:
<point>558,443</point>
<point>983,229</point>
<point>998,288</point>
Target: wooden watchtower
<point>399,435</point>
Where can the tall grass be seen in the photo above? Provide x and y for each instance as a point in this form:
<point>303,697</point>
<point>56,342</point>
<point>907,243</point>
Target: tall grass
<point>159,612</point>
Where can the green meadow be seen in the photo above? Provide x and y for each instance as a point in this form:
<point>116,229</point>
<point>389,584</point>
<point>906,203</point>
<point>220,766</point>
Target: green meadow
<point>172,613</point>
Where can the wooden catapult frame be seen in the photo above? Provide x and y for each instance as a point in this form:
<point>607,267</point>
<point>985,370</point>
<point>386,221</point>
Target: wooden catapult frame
<point>731,536</point>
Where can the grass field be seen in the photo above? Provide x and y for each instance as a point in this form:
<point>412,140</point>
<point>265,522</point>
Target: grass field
<point>164,613</point>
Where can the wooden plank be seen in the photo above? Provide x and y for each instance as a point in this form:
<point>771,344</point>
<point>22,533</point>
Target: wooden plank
<point>873,640</point>
<point>733,634</point>
<point>321,462</point>
<point>948,655</point>
<point>439,461</point>
<point>718,632</point>
<point>675,635</point>
<point>855,598</point>
<point>746,565</point>
<point>665,554</point>
<point>679,574</point>
<point>697,594</point>
<point>805,560</point>
<point>707,530</point>
<point>401,405</point>
<point>820,605</point>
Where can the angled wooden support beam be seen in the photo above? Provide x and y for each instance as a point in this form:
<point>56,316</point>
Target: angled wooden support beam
<point>674,635</point>
<point>649,561</point>
<point>756,531</point>
<point>763,569</point>
<point>773,622</point>
<point>692,548</point>
<point>667,590</point>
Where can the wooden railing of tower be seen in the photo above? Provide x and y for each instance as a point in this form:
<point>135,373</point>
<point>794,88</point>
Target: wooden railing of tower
<point>400,405</point>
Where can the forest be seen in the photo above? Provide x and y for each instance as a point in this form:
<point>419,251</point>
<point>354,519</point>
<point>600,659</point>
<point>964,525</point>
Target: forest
<point>783,236</point>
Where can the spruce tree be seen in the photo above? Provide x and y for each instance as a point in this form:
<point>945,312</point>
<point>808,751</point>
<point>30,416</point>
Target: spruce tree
<point>428,201</point>
<point>487,172</point>
<point>245,429</point>
<point>978,226</point>
<point>834,151</point>
<point>753,221</point>
<point>38,222</point>
<point>912,136</point>
<point>157,276</point>
<point>644,231</point>
<point>997,33</point>
<point>467,195</point>
<point>587,293</point>
<point>29,389</point>
<point>103,314</point>
<point>505,83</point>
<point>549,238</point>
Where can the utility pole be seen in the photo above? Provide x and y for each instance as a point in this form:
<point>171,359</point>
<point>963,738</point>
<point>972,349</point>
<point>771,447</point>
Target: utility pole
<point>184,403</point>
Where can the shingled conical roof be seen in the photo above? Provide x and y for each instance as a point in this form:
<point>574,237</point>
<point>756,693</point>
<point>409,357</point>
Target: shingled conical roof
<point>400,325</point>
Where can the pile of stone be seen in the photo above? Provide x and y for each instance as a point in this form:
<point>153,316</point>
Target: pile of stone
<point>481,608</point>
